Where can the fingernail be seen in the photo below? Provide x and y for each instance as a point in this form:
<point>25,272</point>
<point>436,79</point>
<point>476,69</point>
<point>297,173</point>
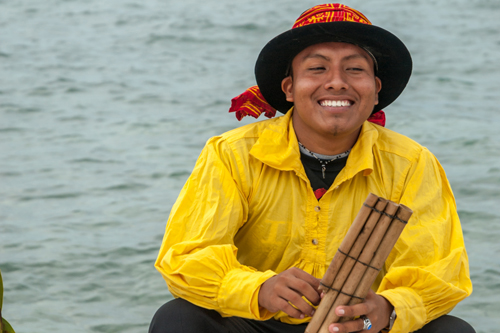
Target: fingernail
<point>340,312</point>
<point>301,316</point>
<point>335,329</point>
<point>312,313</point>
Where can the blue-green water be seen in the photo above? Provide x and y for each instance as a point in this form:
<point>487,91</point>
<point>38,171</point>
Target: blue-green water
<point>105,106</point>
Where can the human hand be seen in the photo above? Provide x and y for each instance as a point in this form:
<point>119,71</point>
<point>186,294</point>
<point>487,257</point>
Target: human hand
<point>288,287</point>
<point>375,307</point>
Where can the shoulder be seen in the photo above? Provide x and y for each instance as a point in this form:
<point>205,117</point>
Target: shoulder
<point>392,143</point>
<point>244,137</point>
<point>252,131</point>
<point>231,151</point>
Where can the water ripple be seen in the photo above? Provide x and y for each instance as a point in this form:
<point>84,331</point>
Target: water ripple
<point>68,195</point>
<point>105,106</point>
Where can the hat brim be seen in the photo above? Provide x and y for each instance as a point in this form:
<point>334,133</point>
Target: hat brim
<point>393,58</point>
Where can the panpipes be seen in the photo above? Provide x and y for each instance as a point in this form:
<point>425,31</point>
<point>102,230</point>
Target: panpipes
<point>359,258</point>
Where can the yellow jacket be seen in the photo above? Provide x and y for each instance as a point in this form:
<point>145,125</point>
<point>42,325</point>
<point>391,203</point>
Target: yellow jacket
<point>247,212</point>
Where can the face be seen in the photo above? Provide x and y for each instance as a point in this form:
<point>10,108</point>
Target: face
<point>334,89</point>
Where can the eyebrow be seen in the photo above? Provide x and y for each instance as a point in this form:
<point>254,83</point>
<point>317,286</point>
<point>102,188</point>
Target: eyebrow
<point>349,57</point>
<point>315,55</point>
<point>357,55</point>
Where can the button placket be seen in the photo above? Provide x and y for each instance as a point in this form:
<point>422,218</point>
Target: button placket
<point>315,240</point>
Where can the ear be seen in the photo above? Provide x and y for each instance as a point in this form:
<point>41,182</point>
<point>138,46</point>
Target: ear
<point>378,87</point>
<point>286,86</point>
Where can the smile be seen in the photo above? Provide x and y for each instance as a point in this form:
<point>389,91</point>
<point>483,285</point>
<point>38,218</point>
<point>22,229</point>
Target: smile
<point>335,103</point>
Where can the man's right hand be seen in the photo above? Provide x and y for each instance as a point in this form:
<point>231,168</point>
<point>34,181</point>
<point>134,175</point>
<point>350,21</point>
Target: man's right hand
<point>288,287</point>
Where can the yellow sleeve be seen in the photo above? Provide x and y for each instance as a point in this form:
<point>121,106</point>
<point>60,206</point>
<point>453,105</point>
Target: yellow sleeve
<point>198,256</point>
<point>428,270</point>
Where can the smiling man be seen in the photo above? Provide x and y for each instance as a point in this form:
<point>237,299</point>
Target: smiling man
<point>268,204</point>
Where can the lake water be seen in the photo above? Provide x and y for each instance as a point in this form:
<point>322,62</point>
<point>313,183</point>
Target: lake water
<point>105,106</point>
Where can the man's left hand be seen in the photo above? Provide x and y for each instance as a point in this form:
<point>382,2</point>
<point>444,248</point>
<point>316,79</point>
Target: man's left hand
<point>375,307</point>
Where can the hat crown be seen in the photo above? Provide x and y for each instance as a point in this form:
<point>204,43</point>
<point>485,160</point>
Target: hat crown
<point>331,12</point>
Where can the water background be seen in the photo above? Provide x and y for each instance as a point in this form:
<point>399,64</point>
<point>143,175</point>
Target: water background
<point>105,106</point>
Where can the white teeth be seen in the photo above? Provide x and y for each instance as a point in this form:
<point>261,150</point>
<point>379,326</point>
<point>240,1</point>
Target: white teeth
<point>335,103</point>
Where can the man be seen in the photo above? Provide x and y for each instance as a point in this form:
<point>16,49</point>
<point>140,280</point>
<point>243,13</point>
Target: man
<point>268,204</point>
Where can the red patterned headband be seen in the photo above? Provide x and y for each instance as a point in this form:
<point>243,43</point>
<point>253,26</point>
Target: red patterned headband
<point>332,12</point>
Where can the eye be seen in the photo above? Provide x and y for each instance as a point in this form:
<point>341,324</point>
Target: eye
<point>317,68</point>
<point>355,69</point>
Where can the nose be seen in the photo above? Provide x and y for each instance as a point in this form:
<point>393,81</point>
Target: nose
<point>336,80</point>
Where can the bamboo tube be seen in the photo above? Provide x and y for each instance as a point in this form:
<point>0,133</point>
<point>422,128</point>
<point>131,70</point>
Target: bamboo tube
<point>348,241</point>
<point>345,268</point>
<point>395,229</point>
<point>357,247</point>
<point>360,267</point>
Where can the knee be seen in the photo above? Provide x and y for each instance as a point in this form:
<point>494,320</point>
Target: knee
<point>447,324</point>
<point>180,315</point>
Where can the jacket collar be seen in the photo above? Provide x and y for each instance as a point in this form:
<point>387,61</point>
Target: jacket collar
<point>278,147</point>
<point>361,156</point>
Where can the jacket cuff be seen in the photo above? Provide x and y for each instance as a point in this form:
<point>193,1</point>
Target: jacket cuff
<point>239,294</point>
<point>409,308</point>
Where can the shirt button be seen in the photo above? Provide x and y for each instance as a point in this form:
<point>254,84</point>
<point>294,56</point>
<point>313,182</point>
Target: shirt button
<point>317,208</point>
<point>315,241</point>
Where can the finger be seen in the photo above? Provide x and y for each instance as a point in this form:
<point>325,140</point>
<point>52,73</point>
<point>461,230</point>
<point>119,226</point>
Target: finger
<point>287,308</point>
<point>314,282</point>
<point>348,326</point>
<point>355,310</point>
<point>298,302</point>
<point>305,289</point>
